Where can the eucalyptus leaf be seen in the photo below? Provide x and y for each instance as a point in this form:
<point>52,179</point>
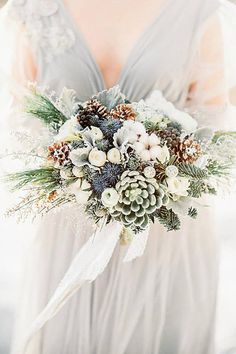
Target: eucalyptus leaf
<point>111,98</point>
<point>204,134</point>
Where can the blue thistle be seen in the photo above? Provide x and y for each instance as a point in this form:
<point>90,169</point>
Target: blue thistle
<point>99,184</point>
<point>111,173</point>
<point>109,127</point>
<point>108,177</point>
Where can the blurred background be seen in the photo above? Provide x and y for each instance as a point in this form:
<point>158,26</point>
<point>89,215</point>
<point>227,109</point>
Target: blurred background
<point>15,238</point>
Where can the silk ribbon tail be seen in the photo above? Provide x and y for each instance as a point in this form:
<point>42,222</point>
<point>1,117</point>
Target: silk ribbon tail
<point>137,246</point>
<point>89,262</point>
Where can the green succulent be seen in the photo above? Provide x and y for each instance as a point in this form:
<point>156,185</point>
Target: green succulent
<point>140,197</point>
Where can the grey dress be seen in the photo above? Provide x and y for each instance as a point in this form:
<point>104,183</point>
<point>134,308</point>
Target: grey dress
<point>164,302</point>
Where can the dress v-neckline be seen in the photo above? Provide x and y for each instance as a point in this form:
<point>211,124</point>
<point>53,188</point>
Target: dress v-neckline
<point>128,62</point>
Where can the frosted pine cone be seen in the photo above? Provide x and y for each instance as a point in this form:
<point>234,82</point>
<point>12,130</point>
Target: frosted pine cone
<point>59,154</point>
<point>139,198</point>
<point>188,150</point>
<point>94,107</point>
<point>123,111</point>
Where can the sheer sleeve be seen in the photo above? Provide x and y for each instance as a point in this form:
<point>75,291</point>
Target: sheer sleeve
<point>208,93</point>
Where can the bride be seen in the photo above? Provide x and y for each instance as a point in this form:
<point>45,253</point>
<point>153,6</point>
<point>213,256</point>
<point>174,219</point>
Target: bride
<point>165,301</point>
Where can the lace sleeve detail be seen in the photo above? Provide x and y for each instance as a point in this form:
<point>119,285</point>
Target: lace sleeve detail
<point>48,33</point>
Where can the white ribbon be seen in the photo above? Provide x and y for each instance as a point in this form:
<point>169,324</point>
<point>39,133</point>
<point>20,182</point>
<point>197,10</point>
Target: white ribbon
<point>137,247</point>
<point>89,262</point>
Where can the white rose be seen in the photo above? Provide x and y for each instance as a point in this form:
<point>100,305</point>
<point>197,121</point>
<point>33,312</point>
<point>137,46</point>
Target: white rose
<point>178,186</point>
<point>113,155</point>
<point>97,157</point>
<point>96,133</point>
<point>110,197</point>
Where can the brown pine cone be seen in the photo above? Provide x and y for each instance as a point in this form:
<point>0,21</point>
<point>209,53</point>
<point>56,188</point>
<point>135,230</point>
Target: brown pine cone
<point>94,107</point>
<point>188,150</point>
<point>170,137</point>
<point>123,111</point>
<point>59,154</point>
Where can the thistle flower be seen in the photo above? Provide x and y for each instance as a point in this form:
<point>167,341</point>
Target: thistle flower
<point>109,127</point>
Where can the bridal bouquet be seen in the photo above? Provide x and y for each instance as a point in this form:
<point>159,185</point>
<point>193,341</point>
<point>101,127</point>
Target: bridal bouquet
<point>131,162</point>
<point>128,164</point>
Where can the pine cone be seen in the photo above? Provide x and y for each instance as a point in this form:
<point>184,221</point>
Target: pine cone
<point>92,113</point>
<point>171,137</point>
<point>94,107</point>
<point>188,150</point>
<point>123,111</point>
<point>59,154</point>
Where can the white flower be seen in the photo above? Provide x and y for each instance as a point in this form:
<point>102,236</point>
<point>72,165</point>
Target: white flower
<point>162,154</point>
<point>77,171</point>
<point>69,129</point>
<point>97,157</point>
<point>110,197</point>
<point>149,172</point>
<point>66,173</point>
<point>79,157</point>
<point>157,101</point>
<point>81,190</point>
<point>134,130</point>
<point>148,148</point>
<point>178,186</point>
<point>114,156</point>
<point>172,171</point>
<point>97,133</point>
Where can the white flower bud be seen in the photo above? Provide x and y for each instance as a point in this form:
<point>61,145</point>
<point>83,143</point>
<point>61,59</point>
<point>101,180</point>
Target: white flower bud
<point>172,171</point>
<point>149,172</point>
<point>97,157</point>
<point>178,186</point>
<point>110,197</point>
<point>113,155</point>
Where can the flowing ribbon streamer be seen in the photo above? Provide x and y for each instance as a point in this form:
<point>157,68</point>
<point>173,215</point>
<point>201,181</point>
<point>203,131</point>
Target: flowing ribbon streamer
<point>137,247</point>
<point>89,262</point>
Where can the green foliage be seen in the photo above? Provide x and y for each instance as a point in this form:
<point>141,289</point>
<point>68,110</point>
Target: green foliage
<point>134,163</point>
<point>197,188</point>
<point>41,107</point>
<point>151,127</point>
<point>168,218</point>
<point>47,177</point>
<point>188,170</point>
<point>216,169</point>
<point>192,212</point>
<point>111,98</point>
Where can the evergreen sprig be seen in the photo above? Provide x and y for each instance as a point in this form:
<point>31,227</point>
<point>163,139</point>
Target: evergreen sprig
<point>47,177</point>
<point>41,107</point>
<point>192,212</point>
<point>168,218</point>
<point>187,170</point>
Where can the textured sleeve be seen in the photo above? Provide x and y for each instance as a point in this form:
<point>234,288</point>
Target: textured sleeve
<point>209,84</point>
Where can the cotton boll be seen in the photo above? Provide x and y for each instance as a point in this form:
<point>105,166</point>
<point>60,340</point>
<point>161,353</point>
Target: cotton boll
<point>153,140</point>
<point>145,155</point>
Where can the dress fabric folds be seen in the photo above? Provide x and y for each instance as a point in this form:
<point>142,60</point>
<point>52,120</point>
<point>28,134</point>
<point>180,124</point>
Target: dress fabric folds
<point>165,301</point>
